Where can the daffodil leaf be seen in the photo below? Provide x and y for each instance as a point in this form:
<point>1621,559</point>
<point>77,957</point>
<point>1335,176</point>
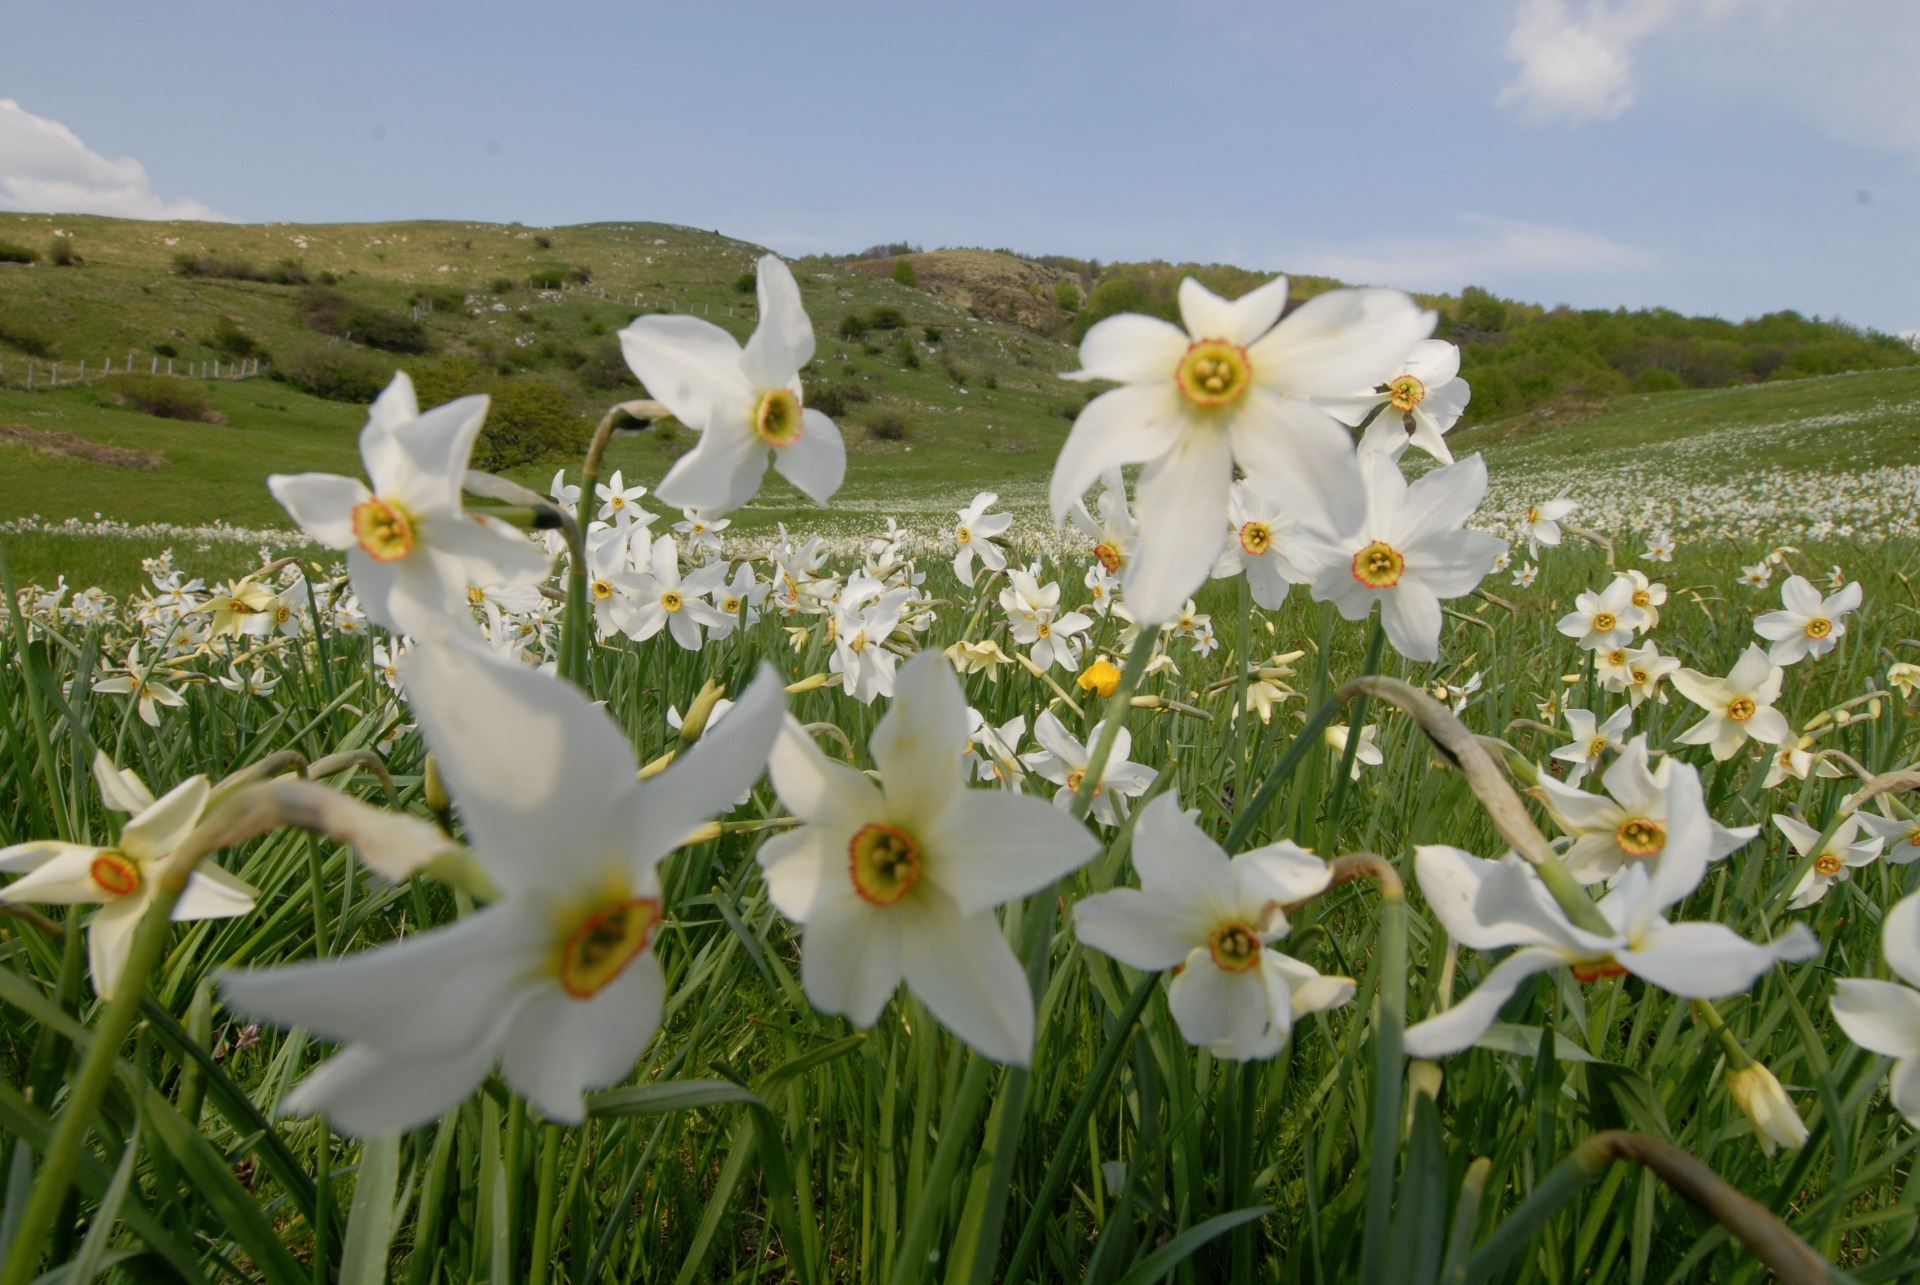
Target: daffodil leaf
<point>667,1095</point>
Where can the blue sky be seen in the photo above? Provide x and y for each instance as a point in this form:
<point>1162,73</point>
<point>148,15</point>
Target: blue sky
<point>1723,156</point>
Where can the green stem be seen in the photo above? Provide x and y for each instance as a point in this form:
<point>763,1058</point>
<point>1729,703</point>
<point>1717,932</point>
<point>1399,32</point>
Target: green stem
<point>1389,1067</point>
<point>1737,1057</point>
<point>62,1158</point>
<point>543,1212</point>
<point>956,1133</point>
<point>1244,1096</point>
<point>36,714</point>
<point>1329,830</point>
<point>1112,719</point>
<point>1289,762</point>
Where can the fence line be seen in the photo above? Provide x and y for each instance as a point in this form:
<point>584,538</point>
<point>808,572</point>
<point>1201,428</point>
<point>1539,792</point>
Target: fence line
<point>43,375</point>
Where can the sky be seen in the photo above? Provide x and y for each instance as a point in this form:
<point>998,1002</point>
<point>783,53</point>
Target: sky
<point>1730,157</point>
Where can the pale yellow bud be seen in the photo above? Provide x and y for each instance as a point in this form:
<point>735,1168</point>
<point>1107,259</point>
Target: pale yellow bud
<point>702,709</point>
<point>1766,1105</point>
<point>658,766</point>
<point>433,788</point>
<point>811,683</point>
<point>706,833</point>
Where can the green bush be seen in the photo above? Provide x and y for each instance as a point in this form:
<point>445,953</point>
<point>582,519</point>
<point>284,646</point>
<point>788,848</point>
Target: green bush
<point>333,313</point>
<point>903,273</point>
<point>165,349</point>
<point>187,264</point>
<point>20,335</point>
<point>909,355</point>
<point>1655,380</point>
<point>745,283</point>
<point>529,419</point>
<point>61,253</point>
<point>11,253</point>
<point>1066,295</point>
<point>229,338</point>
<point>503,285</point>
<point>932,333</point>
<point>886,317</point>
<point>853,326</point>
<point>606,367</point>
<point>164,397</point>
<point>554,277</point>
<point>888,426</point>
<point>338,374</point>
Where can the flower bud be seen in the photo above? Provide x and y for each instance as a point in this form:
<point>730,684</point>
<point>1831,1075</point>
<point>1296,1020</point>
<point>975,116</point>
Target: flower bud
<point>1757,1093</point>
<point>1100,677</point>
<point>700,711</point>
<point>433,788</point>
<point>811,683</point>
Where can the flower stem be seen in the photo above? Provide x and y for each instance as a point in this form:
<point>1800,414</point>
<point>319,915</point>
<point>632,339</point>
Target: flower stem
<point>1737,1056</point>
<point>1113,718</point>
<point>1389,1030</point>
<point>543,1208</point>
<point>956,1132</point>
<point>1330,828</point>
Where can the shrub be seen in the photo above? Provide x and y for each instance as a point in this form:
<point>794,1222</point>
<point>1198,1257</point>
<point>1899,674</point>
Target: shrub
<point>554,278</point>
<point>61,253</point>
<point>908,354</point>
<point>1655,380</point>
<point>503,285</point>
<point>886,317</point>
<point>955,371</point>
<point>932,333</point>
<point>903,273</point>
<point>745,283</point>
<point>606,367</point>
<point>18,334</point>
<point>853,326</point>
<point>579,275</point>
<point>288,272</point>
<point>166,398</point>
<point>165,349</point>
<point>888,426</point>
<point>229,338</point>
<point>529,418</point>
<point>544,242</point>
<point>439,299</point>
<point>337,374</point>
<point>186,264</point>
<point>11,253</point>
<point>332,313</point>
<point>1067,295</point>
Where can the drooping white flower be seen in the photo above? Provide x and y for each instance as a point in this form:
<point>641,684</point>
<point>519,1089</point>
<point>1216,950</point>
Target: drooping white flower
<point>1810,625</point>
<point>555,982</point>
<point>865,618</point>
<point>1257,544</point>
<point>1542,523</point>
<point>1635,821</point>
<point>120,879</point>
<point>900,879</point>
<point>1063,759</point>
<point>1487,905</point>
<point>1101,587</point>
<point>1900,835</point>
<point>1366,536</point>
<point>1761,1098</point>
<point>999,760</point>
<point>412,548</point>
<point>1214,919</point>
<point>745,402</point>
<point>1738,706</point>
<point>1637,671</point>
<point>1795,758</point>
<point>1228,388</point>
<point>1365,754</point>
<point>1839,855</point>
<point>1591,739</point>
<point>1884,1017</point>
<point>1037,623</point>
<point>149,685</point>
<point>974,535</point>
<point>1417,404</point>
<point>1114,532</point>
<point>1604,619</point>
<point>664,599</point>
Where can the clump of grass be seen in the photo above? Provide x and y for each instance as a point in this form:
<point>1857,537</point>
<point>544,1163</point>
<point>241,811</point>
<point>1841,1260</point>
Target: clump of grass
<point>336,374</point>
<point>12,253</point>
<point>888,426</point>
<point>333,312</point>
<point>165,398</point>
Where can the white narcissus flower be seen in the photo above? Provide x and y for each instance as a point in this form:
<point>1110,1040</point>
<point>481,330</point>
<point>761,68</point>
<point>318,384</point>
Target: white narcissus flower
<point>731,598</point>
<point>900,879</point>
<point>1757,576</point>
<point>1648,596</point>
<point>120,879</point>
<point>1632,824</point>
<point>412,548</point>
<point>1901,836</point>
<point>1884,1017</point>
<point>555,982</point>
<point>1000,762</point>
<point>1366,536</point>
<point>663,599</point>
<point>1525,576</point>
<point>1605,619</point>
<point>1738,706</point>
<point>1365,754</point>
<point>974,535</point>
<point>1840,854</point>
<point>1214,919</point>
<point>1113,533</point>
<point>1226,389</point>
<point>1659,549</point>
<point>1035,620</point>
<point>619,503</point>
<point>744,401</point>
<point>1810,625</point>
<point>1637,671</point>
<point>1260,530</point>
<point>1905,675</point>
<point>1795,758</point>
<point>141,681</point>
<point>1591,739</point>
<point>702,532</point>
<point>1418,404</point>
<point>867,615</point>
<point>1542,523</point>
<point>1487,905</point>
<point>1062,759</point>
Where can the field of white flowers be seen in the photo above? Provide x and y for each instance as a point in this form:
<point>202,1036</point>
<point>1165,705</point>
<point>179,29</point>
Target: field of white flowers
<point>1287,865</point>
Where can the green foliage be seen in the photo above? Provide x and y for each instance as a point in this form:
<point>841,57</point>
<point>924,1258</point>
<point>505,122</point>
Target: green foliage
<point>933,334</point>
<point>745,283</point>
<point>333,312</point>
<point>15,333</point>
<point>164,397</point>
<point>606,367</point>
<point>14,253</point>
<point>853,326</point>
<point>887,426</point>
<point>1153,288</point>
<point>886,317</point>
<point>1066,294</point>
<point>529,419</point>
<point>338,374</point>
<point>909,355</point>
<point>229,338</point>
<point>61,253</point>
<point>904,273</point>
<point>504,285</point>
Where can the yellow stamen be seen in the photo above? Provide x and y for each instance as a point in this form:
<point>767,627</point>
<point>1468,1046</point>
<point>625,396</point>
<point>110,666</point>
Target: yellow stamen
<point>1235,946</point>
<point>114,874</point>
<point>1378,566</point>
<point>605,942</point>
<point>1214,373</point>
<point>1108,557</point>
<point>778,417</point>
<point>672,601</point>
<point>1827,864</point>
<point>1593,970</point>
<point>1641,836</point>
<point>1604,621</point>
<point>1405,392</point>
<point>884,862</point>
<point>1819,627</point>
<point>383,528</point>
<point>1256,538</point>
<point>1740,709</point>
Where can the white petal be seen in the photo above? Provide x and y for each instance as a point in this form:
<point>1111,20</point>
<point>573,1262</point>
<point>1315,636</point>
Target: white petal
<point>1238,321</point>
<point>212,893</point>
<point>917,746</point>
<point>1231,1013</point>
<point>365,1093</point>
<point>1136,928</point>
<point>962,969</point>
<point>1125,425</point>
<point>815,461</point>
<point>110,939</point>
<point>321,503</point>
<point>120,789</point>
<point>1410,613</point>
<point>1704,961</point>
<point>1442,501</point>
<point>691,365</point>
<point>157,831</point>
<point>1182,496</point>
<point>1458,1027</point>
<point>852,957</point>
<point>533,767</point>
<point>1282,872</point>
<point>1339,341</point>
<point>558,1047</point>
<point>1883,1017</point>
<point>1433,362</point>
<point>991,847</point>
<point>1174,858</point>
<point>1900,938</point>
<point>722,471</point>
<point>23,858</point>
<point>819,790</point>
<point>1132,348</point>
<point>783,341</point>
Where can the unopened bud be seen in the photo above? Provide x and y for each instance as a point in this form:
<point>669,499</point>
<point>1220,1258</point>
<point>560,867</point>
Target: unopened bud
<point>706,833</point>
<point>658,766</point>
<point>1766,1105</point>
<point>700,711</point>
<point>433,788</point>
<point>811,683</point>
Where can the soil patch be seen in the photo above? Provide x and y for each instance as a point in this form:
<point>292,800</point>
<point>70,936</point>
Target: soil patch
<point>80,448</point>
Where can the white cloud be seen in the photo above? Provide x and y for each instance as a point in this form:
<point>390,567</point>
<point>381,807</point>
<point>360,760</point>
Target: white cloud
<point>1578,68</point>
<point>45,167</point>
<point>1486,250</point>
